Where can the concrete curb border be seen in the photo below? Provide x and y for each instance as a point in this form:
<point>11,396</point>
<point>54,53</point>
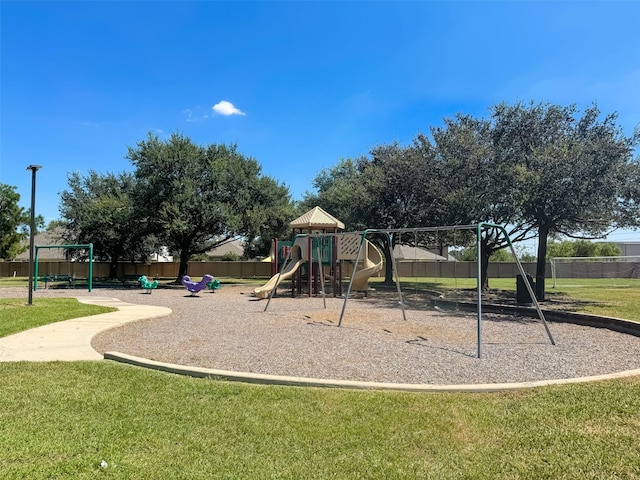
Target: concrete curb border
<point>263,379</point>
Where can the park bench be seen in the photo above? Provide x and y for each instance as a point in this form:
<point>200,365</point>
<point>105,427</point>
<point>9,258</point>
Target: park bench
<point>46,279</point>
<point>131,279</point>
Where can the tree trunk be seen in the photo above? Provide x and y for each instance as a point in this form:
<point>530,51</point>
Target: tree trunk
<point>485,254</point>
<point>541,263</point>
<point>388,261</point>
<point>113,268</point>
<point>182,269</point>
<point>484,267</point>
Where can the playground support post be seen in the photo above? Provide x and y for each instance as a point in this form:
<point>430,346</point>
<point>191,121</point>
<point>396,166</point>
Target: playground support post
<point>394,270</point>
<point>90,267</point>
<point>479,286</point>
<point>32,228</point>
<point>480,227</point>
<point>321,270</point>
<point>346,297</point>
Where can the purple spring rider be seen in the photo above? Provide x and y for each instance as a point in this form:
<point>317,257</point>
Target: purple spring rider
<point>195,287</point>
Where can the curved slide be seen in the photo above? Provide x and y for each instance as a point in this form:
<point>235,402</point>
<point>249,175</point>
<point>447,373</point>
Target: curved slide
<point>297,259</point>
<point>265,290</point>
<point>372,265</point>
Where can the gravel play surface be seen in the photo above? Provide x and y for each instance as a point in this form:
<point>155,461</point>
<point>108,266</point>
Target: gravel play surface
<point>228,330</point>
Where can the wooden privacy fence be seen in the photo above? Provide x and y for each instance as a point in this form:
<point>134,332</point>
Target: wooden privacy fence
<point>155,270</point>
<point>255,269</point>
<point>462,269</point>
<point>406,268</point>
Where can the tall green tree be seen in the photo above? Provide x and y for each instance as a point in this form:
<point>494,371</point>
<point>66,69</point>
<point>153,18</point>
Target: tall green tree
<point>14,222</point>
<point>267,217</point>
<point>394,187</point>
<point>479,186</point>
<point>409,193</point>
<point>343,191</point>
<point>98,208</point>
<point>195,197</point>
<point>574,175</point>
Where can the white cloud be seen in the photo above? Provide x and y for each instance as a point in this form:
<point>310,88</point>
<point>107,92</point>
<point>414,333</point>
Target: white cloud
<point>226,108</point>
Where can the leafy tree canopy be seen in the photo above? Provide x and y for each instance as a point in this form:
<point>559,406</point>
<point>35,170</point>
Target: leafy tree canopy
<point>573,174</point>
<point>538,169</point>
<point>196,197</point>
<point>13,223</point>
<point>98,209</point>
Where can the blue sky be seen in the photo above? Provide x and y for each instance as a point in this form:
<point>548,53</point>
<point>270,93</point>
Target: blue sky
<point>297,85</point>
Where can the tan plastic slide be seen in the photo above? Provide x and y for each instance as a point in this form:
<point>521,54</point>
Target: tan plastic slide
<point>298,257</point>
<point>265,290</point>
<point>372,265</point>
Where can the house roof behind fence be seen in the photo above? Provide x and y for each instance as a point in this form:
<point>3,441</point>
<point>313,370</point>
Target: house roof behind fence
<point>235,246</point>
<point>406,252</point>
<point>48,237</point>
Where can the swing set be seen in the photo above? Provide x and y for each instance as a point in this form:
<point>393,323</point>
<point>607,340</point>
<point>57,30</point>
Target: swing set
<point>479,229</point>
<point>88,246</point>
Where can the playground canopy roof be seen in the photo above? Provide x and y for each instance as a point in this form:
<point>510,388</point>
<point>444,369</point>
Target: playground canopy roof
<point>317,218</point>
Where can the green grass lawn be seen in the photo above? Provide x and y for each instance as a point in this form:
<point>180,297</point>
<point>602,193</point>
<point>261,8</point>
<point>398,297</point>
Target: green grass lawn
<point>14,281</point>
<point>16,315</point>
<point>60,420</point>
<point>608,297</point>
<point>615,297</point>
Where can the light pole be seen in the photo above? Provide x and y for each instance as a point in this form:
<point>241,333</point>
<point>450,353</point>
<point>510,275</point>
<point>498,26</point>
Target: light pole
<point>32,227</point>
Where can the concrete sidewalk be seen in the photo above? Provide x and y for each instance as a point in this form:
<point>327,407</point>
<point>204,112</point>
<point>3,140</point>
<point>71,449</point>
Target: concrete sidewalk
<point>70,340</point>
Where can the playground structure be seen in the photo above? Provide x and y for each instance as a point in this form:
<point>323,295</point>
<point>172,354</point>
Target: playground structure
<point>214,285</point>
<point>70,277</point>
<point>298,255</point>
<point>196,287</point>
<point>148,284</point>
<point>316,253</point>
<point>372,263</point>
